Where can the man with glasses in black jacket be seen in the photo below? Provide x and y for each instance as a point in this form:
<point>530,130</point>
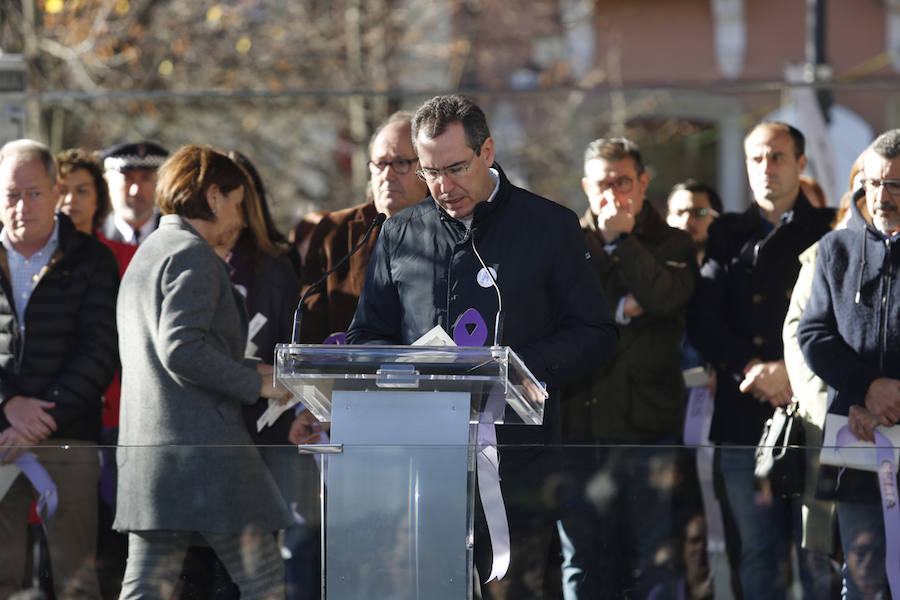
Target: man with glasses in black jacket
<point>426,271</point>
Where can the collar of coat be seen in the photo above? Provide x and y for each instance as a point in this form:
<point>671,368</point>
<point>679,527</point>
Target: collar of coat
<point>69,240</point>
<point>483,210</point>
<point>801,214</point>
<point>648,223</point>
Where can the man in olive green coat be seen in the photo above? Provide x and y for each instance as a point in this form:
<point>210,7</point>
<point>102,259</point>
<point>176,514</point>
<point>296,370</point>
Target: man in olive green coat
<point>648,271</point>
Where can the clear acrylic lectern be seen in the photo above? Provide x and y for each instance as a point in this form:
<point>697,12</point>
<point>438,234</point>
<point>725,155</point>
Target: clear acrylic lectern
<point>399,481</point>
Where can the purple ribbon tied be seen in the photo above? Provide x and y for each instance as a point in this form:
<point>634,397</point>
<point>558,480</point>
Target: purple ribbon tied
<point>48,500</point>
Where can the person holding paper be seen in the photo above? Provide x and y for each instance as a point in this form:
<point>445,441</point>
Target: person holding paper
<point>850,336</point>
<point>427,270</point>
<point>187,464</point>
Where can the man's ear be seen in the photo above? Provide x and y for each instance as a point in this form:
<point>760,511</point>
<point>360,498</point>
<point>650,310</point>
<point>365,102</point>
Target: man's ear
<point>487,151</point>
<point>644,179</point>
<point>801,162</point>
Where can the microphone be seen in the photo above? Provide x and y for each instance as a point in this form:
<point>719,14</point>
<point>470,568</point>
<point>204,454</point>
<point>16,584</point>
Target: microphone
<point>498,318</point>
<point>298,314</point>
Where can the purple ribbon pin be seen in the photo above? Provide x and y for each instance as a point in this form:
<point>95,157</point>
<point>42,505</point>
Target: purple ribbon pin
<point>470,329</point>
<point>338,338</point>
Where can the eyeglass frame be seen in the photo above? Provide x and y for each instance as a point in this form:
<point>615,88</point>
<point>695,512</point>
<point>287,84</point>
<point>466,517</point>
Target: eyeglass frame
<point>696,212</point>
<point>457,169</point>
<point>874,184</point>
<point>381,166</point>
<point>600,186</point>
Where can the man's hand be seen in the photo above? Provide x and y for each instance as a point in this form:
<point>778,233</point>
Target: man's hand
<point>30,416</point>
<point>305,429</point>
<point>614,219</point>
<point>768,382</point>
<point>13,444</point>
<point>862,423</point>
<point>632,307</point>
<point>883,400</point>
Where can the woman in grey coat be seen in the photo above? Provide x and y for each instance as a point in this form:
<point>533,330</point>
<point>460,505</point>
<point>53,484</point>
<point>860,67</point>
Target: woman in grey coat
<point>187,465</point>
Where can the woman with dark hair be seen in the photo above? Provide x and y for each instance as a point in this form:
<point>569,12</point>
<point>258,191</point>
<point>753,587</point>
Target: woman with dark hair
<point>261,271</point>
<point>187,465</point>
<point>84,197</point>
<point>271,230</point>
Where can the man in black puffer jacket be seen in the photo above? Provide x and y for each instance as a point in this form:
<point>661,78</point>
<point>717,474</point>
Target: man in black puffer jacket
<point>425,272</point>
<point>58,352</point>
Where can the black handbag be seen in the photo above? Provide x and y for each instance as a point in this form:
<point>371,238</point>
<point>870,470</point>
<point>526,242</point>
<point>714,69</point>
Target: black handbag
<point>781,452</point>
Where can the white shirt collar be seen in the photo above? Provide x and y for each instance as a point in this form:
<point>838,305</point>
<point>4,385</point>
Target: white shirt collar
<point>127,230</point>
<point>495,176</point>
<point>52,241</point>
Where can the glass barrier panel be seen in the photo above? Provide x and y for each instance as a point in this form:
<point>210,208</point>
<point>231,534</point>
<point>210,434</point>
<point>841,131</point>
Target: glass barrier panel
<point>388,520</point>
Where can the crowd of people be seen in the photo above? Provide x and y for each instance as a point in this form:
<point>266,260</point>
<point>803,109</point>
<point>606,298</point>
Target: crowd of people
<point>142,294</point>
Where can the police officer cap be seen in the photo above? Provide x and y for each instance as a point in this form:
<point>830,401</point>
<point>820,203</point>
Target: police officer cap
<point>140,155</point>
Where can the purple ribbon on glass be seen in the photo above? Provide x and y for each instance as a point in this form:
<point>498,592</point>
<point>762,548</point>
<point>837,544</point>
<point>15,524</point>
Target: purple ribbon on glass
<point>887,482</point>
<point>40,479</point>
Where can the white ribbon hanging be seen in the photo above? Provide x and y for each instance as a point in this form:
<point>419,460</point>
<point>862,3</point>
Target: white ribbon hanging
<point>488,463</point>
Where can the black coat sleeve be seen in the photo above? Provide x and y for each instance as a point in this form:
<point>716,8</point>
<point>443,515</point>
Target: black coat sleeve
<point>708,328</point>
<point>826,352</point>
<point>95,358</point>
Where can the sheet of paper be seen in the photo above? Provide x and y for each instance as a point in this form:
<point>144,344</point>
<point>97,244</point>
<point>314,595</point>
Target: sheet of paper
<point>436,336</point>
<point>274,411</point>
<point>861,455</point>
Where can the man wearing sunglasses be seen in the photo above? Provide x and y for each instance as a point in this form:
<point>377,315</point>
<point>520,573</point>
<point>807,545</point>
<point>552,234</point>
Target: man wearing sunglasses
<point>393,186</point>
<point>693,206</point>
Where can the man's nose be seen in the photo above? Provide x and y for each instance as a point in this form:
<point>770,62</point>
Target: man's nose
<point>609,193</point>
<point>133,189</point>
<point>444,182</point>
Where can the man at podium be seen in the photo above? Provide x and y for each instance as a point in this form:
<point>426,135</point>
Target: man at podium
<point>479,242</point>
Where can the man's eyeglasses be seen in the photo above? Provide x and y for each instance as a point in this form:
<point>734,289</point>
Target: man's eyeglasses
<point>694,212</point>
<point>429,175</point>
<point>619,185</point>
<point>891,185</point>
<point>401,166</point>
